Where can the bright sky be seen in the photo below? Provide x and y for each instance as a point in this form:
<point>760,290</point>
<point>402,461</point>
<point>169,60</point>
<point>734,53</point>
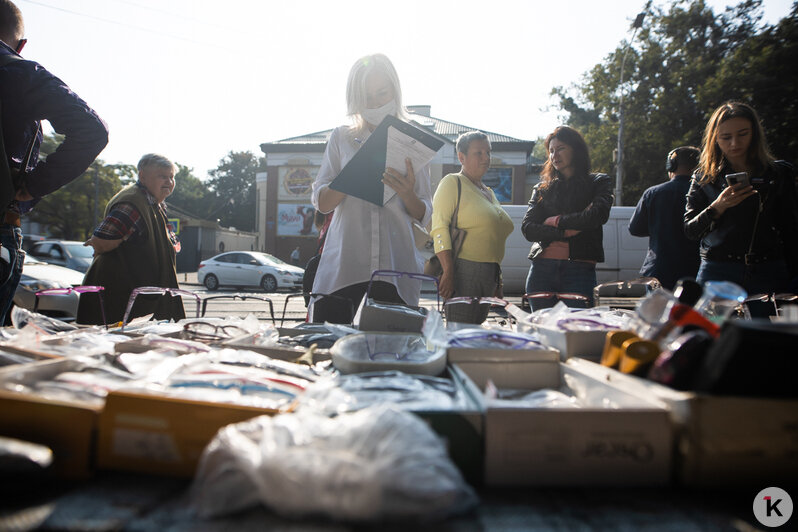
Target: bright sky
<point>195,79</point>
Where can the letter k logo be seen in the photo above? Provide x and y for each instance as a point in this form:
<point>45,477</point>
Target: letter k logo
<point>772,506</point>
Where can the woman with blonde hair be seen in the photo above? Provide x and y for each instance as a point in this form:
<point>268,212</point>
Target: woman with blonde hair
<point>362,236</point>
<point>748,230</point>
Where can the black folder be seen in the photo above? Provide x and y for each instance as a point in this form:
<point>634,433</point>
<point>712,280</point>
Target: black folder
<point>362,176</point>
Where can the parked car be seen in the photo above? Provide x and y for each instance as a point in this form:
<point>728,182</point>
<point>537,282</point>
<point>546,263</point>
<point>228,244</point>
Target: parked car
<point>67,253</point>
<point>249,268</point>
<point>38,275</point>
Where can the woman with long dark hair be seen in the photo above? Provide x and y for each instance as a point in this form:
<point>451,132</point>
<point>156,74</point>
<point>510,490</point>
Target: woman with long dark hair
<point>749,230</point>
<point>564,222</point>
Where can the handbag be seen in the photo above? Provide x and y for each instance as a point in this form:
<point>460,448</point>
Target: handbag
<point>433,265</point>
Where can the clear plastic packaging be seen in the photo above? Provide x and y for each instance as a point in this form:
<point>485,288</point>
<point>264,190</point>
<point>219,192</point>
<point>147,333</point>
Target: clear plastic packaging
<point>377,464</point>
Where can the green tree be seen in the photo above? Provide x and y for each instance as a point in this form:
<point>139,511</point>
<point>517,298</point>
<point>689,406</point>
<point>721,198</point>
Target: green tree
<point>677,54</point>
<point>72,212</point>
<point>233,183</point>
<point>191,194</point>
<point>759,73</point>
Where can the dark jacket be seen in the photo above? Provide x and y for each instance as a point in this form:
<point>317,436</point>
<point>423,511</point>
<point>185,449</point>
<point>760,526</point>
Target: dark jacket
<point>141,262</point>
<point>660,216</point>
<point>729,237</point>
<point>29,93</point>
<point>583,203</point>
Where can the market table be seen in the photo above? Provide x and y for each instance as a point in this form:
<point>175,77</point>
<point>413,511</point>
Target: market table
<point>115,501</point>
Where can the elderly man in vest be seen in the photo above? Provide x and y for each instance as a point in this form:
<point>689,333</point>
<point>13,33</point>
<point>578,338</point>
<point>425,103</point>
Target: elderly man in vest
<point>133,247</point>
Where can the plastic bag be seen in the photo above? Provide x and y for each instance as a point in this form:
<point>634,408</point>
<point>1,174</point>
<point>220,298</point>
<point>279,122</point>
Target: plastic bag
<point>378,463</point>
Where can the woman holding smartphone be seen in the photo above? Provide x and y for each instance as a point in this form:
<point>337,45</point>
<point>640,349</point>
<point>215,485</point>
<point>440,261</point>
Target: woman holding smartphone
<point>742,205</point>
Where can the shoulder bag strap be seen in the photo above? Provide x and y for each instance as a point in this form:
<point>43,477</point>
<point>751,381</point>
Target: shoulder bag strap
<point>457,208</point>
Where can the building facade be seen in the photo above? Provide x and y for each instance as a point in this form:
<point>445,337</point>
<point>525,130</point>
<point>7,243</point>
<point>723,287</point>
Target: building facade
<point>284,211</point>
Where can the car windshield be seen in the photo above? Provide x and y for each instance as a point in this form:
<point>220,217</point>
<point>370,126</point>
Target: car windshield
<point>79,250</point>
<point>271,258</point>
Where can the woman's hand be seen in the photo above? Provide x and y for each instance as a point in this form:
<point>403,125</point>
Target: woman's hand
<point>446,284</point>
<point>731,197</point>
<point>404,186</point>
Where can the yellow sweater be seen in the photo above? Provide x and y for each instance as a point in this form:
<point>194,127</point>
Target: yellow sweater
<point>486,223</point>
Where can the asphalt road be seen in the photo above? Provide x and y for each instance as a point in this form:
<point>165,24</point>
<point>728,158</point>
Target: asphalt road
<point>288,307</point>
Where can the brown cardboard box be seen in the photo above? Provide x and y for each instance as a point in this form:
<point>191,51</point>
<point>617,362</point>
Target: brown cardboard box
<point>161,435</point>
<point>722,441</point>
<point>630,445</point>
<point>68,428</point>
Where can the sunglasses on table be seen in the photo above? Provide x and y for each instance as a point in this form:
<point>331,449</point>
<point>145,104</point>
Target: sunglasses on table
<point>84,289</point>
<point>156,291</point>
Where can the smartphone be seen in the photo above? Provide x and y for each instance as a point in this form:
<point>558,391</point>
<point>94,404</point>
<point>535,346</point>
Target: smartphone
<point>737,179</point>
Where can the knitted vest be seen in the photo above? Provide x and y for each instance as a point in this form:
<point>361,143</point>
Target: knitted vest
<point>145,262</point>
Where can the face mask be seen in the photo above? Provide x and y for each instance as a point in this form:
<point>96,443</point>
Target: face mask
<point>375,116</point>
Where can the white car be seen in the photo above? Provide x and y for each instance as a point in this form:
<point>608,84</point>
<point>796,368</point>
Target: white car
<point>249,268</point>
<point>67,253</point>
<point>38,275</point>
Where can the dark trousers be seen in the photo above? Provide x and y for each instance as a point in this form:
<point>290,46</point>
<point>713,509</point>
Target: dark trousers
<point>342,306</point>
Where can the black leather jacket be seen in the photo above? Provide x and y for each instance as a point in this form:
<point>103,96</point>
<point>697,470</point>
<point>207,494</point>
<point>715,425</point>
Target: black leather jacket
<point>583,203</point>
<point>729,237</point>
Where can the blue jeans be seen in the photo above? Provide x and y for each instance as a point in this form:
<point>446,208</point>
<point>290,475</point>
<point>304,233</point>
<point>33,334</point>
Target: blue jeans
<point>11,271</point>
<point>763,278</point>
<point>561,276</point>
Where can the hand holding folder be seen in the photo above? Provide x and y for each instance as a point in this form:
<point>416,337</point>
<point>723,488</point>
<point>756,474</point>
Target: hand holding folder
<point>389,145</point>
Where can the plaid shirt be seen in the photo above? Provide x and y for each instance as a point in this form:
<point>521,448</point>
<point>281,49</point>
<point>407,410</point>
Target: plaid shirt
<point>124,221</point>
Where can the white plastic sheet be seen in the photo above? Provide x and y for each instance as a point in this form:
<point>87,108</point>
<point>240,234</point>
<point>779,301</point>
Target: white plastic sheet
<point>378,463</point>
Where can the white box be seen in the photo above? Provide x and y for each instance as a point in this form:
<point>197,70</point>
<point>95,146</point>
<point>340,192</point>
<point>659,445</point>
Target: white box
<point>630,445</point>
<point>721,440</point>
<point>508,368</point>
<point>584,344</point>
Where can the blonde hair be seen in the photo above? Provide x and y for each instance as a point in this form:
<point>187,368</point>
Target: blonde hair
<point>712,160</point>
<point>356,87</point>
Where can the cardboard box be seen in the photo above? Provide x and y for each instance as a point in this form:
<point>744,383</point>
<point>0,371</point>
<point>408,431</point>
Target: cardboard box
<point>630,445</point>
<point>68,428</point>
<point>514,368</point>
<point>584,344</point>
<point>721,440</point>
<point>161,435</point>
<point>461,429</point>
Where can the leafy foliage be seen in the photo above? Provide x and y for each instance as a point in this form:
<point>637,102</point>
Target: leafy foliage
<point>233,183</point>
<point>685,62</point>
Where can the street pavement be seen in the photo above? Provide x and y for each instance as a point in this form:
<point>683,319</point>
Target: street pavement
<point>288,308</point>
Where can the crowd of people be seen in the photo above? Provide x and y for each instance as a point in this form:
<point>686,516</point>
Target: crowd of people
<point>701,224</point>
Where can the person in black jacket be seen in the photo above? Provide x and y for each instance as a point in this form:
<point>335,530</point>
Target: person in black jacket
<point>29,93</point>
<point>564,223</point>
<point>659,215</point>
<point>748,232</point>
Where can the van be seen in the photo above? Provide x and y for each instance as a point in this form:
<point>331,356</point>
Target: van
<point>623,253</point>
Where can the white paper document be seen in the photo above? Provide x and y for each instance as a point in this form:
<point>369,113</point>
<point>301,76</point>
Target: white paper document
<point>400,147</point>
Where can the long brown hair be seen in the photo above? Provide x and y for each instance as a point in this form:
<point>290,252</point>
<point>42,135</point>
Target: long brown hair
<point>712,159</point>
<point>580,160</point>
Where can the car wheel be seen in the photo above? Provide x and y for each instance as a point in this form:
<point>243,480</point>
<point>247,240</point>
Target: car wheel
<point>268,283</point>
<point>211,282</point>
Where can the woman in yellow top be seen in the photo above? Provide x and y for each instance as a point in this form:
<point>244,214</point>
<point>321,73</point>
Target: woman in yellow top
<point>475,272</point>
